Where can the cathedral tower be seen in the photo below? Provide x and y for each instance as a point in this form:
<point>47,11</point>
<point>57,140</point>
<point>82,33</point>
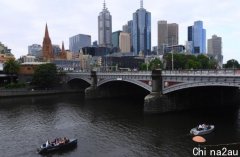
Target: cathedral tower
<point>47,49</point>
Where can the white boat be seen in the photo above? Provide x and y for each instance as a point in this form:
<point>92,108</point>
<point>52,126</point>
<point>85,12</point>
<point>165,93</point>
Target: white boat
<point>202,129</point>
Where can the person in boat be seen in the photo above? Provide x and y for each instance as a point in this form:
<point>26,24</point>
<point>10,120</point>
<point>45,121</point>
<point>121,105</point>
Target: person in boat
<point>47,143</point>
<point>203,126</point>
<point>200,127</point>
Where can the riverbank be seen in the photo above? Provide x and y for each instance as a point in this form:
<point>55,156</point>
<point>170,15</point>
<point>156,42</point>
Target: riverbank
<point>28,92</point>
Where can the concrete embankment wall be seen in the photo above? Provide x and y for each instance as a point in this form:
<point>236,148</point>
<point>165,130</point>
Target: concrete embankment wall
<point>25,92</point>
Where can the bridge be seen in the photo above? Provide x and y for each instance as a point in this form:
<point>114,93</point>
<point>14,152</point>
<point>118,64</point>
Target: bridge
<point>161,85</point>
<point>170,80</point>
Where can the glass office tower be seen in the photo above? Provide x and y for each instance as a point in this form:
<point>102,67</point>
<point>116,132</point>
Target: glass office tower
<point>197,34</point>
<point>141,36</point>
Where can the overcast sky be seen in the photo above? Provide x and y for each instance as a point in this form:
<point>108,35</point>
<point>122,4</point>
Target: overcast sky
<point>23,21</point>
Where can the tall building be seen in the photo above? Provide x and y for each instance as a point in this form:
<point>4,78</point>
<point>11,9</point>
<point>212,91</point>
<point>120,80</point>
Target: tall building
<point>172,34</point>
<point>79,41</point>
<point>197,34</point>
<point>125,28</point>
<point>56,51</point>
<point>167,35</point>
<point>215,49</point>
<point>5,53</point>
<point>4,49</point>
<point>124,42</point>
<point>47,48</point>
<point>190,33</point>
<point>162,36</point>
<point>115,39</point>
<point>128,28</point>
<point>35,50</point>
<point>105,28</point>
<point>141,31</point>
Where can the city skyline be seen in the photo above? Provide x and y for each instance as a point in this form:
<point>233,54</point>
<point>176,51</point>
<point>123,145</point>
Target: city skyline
<point>66,19</point>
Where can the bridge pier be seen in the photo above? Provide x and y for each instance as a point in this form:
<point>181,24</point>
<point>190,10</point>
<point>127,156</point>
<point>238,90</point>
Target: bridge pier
<point>92,92</point>
<point>156,102</point>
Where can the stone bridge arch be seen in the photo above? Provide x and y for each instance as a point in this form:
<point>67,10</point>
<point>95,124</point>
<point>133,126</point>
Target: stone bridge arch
<point>78,83</point>
<point>187,85</point>
<point>80,78</point>
<point>135,82</point>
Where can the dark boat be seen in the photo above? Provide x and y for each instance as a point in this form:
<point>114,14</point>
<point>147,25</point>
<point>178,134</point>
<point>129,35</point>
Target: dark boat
<point>57,146</point>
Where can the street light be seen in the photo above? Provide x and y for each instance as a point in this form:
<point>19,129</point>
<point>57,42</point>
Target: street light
<point>172,54</point>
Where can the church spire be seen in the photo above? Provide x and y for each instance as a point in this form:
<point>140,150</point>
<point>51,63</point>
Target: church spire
<point>63,53</point>
<point>46,32</point>
<point>63,49</point>
<point>47,49</point>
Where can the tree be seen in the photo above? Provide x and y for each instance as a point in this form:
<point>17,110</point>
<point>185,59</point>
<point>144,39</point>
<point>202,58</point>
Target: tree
<point>11,67</point>
<point>204,61</point>
<point>232,63</point>
<point>45,76</point>
<point>143,67</point>
<point>155,64</point>
<point>193,64</point>
<point>183,61</point>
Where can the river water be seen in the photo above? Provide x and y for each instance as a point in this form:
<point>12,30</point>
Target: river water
<point>107,128</point>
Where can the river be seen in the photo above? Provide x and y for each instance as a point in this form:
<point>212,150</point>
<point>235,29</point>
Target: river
<point>107,128</point>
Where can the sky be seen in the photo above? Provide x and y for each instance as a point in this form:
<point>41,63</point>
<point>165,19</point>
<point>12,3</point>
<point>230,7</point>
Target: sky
<point>23,21</point>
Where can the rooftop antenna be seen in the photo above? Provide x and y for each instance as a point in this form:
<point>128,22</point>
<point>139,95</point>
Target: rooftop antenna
<point>104,4</point>
<point>141,4</point>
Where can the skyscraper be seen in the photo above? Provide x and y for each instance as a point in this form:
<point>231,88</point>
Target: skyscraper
<point>47,48</point>
<point>115,39</point>
<point>128,28</point>
<point>215,49</point>
<point>35,50</point>
<point>172,34</point>
<point>105,27</point>
<point>162,36</point>
<point>167,35</point>
<point>79,41</point>
<point>124,42</point>
<point>141,33</point>
<point>197,34</point>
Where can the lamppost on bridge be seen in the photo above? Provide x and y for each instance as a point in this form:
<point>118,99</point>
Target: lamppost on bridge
<point>172,55</point>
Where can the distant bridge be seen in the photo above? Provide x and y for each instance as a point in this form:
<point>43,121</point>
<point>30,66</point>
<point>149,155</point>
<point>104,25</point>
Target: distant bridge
<point>168,81</point>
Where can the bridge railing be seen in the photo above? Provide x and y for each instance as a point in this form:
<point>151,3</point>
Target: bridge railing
<point>202,72</point>
<point>126,73</point>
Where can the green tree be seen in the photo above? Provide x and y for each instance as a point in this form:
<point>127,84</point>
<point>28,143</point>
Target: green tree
<point>232,64</point>
<point>45,76</point>
<point>204,61</point>
<point>155,64</point>
<point>143,67</point>
<point>179,61</point>
<point>11,67</point>
<point>193,64</point>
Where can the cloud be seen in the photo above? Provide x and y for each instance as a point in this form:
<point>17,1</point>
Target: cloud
<point>24,20</point>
